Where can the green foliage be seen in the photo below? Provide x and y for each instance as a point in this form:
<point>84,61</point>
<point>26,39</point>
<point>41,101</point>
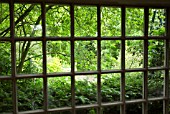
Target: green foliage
<point>86,60</point>
<point>4,20</point>
<point>110,21</point>
<point>85,21</point>
<point>5,61</point>
<point>134,22</point>
<point>29,56</point>
<point>58,21</point>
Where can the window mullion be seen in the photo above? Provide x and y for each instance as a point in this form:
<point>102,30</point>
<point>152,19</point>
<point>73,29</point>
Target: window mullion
<point>72,60</point>
<point>99,58</point>
<point>123,61</point>
<point>45,85</point>
<point>166,64</point>
<point>13,57</point>
<point>145,79</point>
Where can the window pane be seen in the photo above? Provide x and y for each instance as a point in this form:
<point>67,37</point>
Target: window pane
<point>110,54</point>
<point>30,94</point>
<point>57,20</point>
<point>134,54</point>
<point>156,53</point>
<point>110,21</point>
<point>157,22</point>
<point>59,92</point>
<point>134,109</point>
<point>111,110</point>
<point>134,85</point>
<point>58,56</point>
<point>29,57</point>
<point>86,89</point>
<point>155,83</point>
<point>85,21</point>
<point>5,59</point>
<point>5,96</point>
<point>155,107</point>
<point>86,55</point>
<point>4,20</point>
<point>110,87</point>
<point>62,112</point>
<point>134,22</point>
<point>27,20</point>
<point>87,111</point>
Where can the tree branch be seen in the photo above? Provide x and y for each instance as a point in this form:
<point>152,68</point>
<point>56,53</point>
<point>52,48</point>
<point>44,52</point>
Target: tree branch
<point>19,19</point>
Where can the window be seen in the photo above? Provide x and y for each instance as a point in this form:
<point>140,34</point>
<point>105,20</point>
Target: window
<point>90,58</point>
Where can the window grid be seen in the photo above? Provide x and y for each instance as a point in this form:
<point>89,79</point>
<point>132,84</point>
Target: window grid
<point>145,79</point>
<point>73,74</point>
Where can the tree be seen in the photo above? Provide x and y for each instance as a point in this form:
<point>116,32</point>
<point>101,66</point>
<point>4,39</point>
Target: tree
<point>29,54</point>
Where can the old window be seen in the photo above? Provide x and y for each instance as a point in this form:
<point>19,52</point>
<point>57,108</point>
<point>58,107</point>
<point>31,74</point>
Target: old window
<point>84,57</point>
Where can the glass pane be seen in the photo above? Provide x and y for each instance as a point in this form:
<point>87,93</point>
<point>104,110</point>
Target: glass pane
<point>155,83</point>
<point>4,20</point>
<point>29,57</point>
<point>57,20</point>
<point>134,22</point>
<point>110,21</point>
<point>87,111</point>
<point>156,53</point>
<point>111,110</point>
<point>27,20</point>
<point>157,22</point>
<point>134,54</point>
<point>134,85</point>
<point>30,94</point>
<point>5,96</point>
<point>5,61</point>
<point>110,87</point>
<point>110,54</point>
<point>85,21</point>
<point>86,89</point>
<point>134,109</point>
<point>59,92</point>
<point>85,55</point>
<point>155,107</point>
<point>58,56</point>
<point>62,112</point>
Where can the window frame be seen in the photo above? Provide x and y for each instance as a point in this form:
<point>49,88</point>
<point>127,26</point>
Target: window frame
<point>120,3</point>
